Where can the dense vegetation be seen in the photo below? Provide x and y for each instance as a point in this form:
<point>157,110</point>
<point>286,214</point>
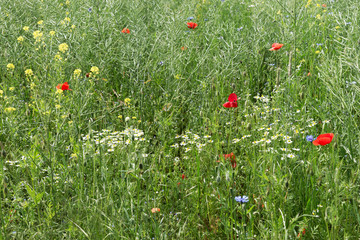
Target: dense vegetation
<point>113,124</point>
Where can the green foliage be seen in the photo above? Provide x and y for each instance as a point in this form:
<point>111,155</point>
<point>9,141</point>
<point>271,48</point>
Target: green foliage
<point>143,125</point>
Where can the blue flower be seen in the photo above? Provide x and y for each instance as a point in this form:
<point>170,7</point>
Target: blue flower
<point>310,138</point>
<point>190,18</point>
<point>239,29</point>
<point>89,10</point>
<point>243,199</point>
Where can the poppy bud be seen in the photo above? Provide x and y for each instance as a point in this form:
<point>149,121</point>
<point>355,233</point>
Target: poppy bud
<point>301,95</point>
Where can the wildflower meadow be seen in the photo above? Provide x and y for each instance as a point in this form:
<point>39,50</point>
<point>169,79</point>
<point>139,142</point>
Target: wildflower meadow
<point>179,119</point>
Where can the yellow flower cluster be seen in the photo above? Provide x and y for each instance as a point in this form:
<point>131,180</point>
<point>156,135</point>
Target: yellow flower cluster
<point>127,101</point>
<point>94,70</point>
<point>37,35</point>
<point>57,57</point>
<point>20,39</point>
<point>52,33</point>
<point>29,72</point>
<point>26,28</point>
<point>10,67</point>
<point>63,47</point>
<point>77,73</point>
<point>9,109</point>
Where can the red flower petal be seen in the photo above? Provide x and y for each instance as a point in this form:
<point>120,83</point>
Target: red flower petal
<point>232,97</point>
<point>232,159</point>
<point>125,30</point>
<point>234,104</point>
<point>227,104</point>
<point>192,25</point>
<point>64,86</point>
<point>323,139</point>
<point>276,46</point>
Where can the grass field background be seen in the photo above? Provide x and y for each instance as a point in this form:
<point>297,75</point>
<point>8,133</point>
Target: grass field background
<point>139,148</point>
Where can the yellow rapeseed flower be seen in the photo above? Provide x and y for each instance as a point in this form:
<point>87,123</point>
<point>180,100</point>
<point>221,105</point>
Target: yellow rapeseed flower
<point>119,117</point>
<point>20,39</point>
<point>26,28</point>
<point>337,27</point>
<point>9,109</point>
<point>67,19</point>
<point>63,47</point>
<point>10,67</point>
<point>1,92</point>
<point>40,22</point>
<point>77,73</point>
<point>127,101</point>
<point>29,72</point>
<point>94,70</point>
<point>57,106</point>
<point>317,52</point>
<point>73,26</point>
<point>11,89</point>
<point>57,57</point>
<point>37,35</point>
<point>52,33</point>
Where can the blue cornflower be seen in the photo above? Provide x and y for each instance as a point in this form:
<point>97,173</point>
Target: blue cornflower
<point>190,18</point>
<point>243,199</point>
<point>239,29</point>
<point>310,138</point>
<point>89,10</point>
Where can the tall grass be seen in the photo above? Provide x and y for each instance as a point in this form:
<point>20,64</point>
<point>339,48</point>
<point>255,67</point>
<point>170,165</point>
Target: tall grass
<point>149,130</point>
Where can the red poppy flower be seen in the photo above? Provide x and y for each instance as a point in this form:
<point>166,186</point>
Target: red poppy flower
<point>323,139</point>
<point>192,25</point>
<point>155,210</point>
<point>324,5</point>
<point>183,176</point>
<point>64,86</point>
<point>276,46</point>
<point>232,101</point>
<point>125,30</point>
<point>232,159</point>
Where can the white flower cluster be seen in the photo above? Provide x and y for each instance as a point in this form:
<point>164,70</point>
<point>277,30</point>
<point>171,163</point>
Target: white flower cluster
<point>189,139</point>
<point>112,140</point>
